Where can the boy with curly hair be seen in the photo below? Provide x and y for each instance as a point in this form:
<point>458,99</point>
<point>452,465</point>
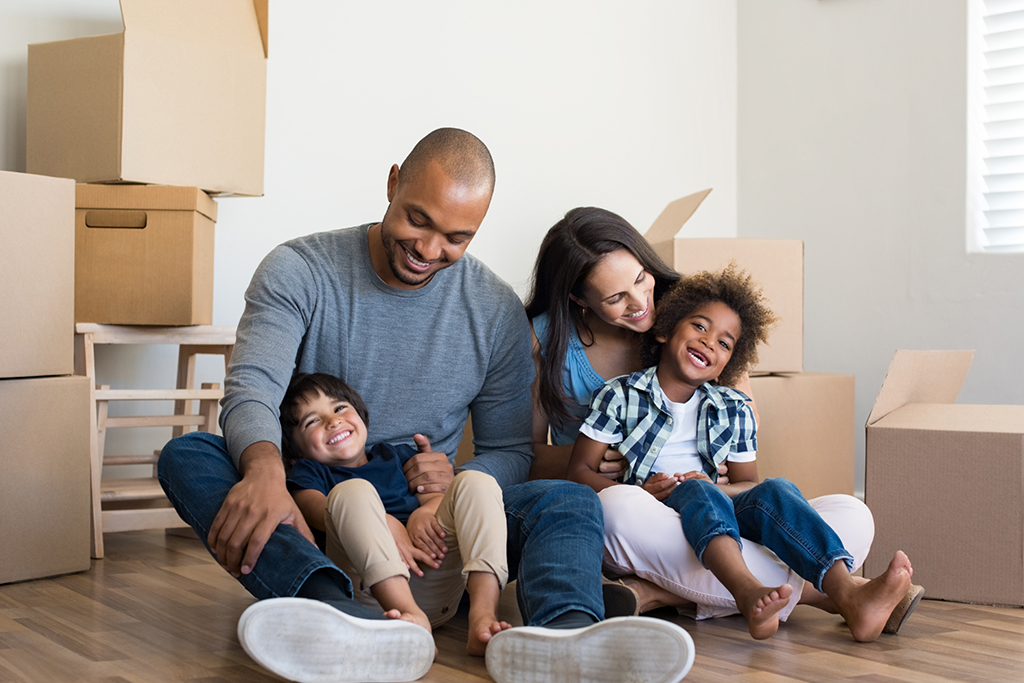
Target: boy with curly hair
<point>676,422</point>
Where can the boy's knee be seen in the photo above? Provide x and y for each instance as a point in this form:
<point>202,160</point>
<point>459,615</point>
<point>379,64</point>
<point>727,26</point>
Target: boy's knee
<point>777,489</point>
<point>352,491</point>
<point>477,481</point>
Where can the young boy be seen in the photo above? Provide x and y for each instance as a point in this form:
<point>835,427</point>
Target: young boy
<point>376,530</point>
<point>676,424</point>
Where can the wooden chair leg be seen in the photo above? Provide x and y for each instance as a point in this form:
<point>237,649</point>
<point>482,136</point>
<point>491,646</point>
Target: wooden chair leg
<point>208,409</point>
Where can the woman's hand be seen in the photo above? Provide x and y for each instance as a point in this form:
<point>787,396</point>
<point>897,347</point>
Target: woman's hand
<point>661,485</point>
<point>723,475</point>
<point>409,553</point>
<point>613,464</point>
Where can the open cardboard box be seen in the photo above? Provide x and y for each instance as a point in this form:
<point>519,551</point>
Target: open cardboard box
<point>37,275</point>
<point>806,431</point>
<point>945,482</point>
<point>776,265</point>
<point>144,255</point>
<point>177,98</point>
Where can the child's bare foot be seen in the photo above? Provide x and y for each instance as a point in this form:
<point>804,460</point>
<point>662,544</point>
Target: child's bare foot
<point>761,609</point>
<point>417,617</point>
<point>867,606</point>
<point>482,627</point>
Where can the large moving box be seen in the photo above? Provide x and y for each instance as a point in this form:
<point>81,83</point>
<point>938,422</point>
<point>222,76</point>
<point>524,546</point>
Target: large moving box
<point>44,489</point>
<point>177,98</point>
<point>144,255</point>
<point>945,482</point>
<point>37,275</point>
<point>806,431</point>
<point>776,265</point>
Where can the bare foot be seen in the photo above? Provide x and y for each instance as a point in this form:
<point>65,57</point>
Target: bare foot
<point>651,595</point>
<point>417,617</point>
<point>761,609</point>
<point>867,606</point>
<point>482,627</point>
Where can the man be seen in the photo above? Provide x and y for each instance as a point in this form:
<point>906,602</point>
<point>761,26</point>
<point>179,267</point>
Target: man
<point>427,336</point>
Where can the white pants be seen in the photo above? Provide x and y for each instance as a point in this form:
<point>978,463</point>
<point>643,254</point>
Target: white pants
<point>644,537</point>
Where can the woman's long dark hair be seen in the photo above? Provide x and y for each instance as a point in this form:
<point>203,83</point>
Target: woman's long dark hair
<point>568,254</point>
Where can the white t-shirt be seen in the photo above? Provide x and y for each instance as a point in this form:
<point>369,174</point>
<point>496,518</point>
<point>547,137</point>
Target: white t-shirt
<point>679,454</point>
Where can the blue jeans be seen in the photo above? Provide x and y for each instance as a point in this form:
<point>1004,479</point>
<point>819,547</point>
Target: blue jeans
<point>774,513</point>
<point>555,534</point>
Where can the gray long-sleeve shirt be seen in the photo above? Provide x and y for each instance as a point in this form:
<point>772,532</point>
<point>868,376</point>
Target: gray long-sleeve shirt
<point>421,359</point>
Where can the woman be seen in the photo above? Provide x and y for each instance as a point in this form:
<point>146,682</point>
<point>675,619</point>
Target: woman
<point>595,291</point>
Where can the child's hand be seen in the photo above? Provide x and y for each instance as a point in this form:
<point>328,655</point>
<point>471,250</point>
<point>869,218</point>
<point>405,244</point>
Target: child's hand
<point>409,553</point>
<point>660,485</point>
<point>426,533</point>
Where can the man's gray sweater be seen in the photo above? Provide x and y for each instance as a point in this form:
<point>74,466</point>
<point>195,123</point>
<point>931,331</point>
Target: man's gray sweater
<point>421,359</point>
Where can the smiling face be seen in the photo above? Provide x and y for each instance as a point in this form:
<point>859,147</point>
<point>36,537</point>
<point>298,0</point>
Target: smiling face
<point>329,431</point>
<point>698,349</point>
<point>620,292</point>
<point>428,225</point>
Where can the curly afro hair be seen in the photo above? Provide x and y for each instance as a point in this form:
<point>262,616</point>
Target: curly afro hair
<point>732,287</point>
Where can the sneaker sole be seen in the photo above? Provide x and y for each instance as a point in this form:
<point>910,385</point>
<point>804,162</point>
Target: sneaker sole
<point>311,642</point>
<point>619,650</point>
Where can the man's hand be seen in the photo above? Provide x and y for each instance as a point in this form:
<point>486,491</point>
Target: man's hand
<point>428,472</point>
<point>252,510</point>
<point>613,464</point>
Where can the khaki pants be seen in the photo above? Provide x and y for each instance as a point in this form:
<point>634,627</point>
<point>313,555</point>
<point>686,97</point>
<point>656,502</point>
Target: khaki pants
<point>472,515</point>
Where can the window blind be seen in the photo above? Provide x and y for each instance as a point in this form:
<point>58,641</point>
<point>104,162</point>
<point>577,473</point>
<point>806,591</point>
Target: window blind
<point>996,195</point>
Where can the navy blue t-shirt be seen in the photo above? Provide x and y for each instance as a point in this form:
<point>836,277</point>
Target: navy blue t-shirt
<point>383,470</point>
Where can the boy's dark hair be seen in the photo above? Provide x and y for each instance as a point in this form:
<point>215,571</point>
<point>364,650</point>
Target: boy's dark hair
<point>304,387</point>
<point>732,287</point>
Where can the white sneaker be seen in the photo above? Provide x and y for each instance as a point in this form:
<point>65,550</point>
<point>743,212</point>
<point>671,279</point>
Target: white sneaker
<point>310,641</point>
<point>619,650</point>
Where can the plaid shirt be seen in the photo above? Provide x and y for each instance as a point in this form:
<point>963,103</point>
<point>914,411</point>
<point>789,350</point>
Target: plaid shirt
<point>631,410</point>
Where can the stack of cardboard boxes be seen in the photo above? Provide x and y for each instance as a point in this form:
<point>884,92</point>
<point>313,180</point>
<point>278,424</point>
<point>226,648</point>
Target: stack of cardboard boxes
<point>44,410</point>
<point>806,427</point>
<point>150,121</point>
<point>171,110</point>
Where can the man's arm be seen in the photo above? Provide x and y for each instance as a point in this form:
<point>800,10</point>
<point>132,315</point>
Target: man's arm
<point>502,411</point>
<point>269,334</point>
<point>252,510</point>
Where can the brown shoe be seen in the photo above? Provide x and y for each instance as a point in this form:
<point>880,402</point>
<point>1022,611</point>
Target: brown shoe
<point>904,609</point>
<point>619,599</point>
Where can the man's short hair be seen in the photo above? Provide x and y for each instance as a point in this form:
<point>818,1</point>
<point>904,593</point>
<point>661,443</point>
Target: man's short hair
<point>462,155</point>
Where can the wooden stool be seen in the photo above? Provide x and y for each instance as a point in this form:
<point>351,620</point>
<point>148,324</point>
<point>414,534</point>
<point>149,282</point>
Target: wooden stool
<point>141,501</point>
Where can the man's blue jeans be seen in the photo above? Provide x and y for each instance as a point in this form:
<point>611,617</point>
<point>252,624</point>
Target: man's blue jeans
<point>555,534</point>
<point>774,513</point>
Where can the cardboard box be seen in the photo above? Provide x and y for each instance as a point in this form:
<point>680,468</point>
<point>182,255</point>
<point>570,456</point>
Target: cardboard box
<point>37,266</point>
<point>144,255</point>
<point>807,431</point>
<point>945,482</point>
<point>776,265</point>
<point>44,490</point>
<point>177,98</point>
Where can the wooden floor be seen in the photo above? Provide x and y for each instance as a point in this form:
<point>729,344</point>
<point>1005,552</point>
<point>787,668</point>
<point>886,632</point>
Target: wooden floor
<point>159,609</point>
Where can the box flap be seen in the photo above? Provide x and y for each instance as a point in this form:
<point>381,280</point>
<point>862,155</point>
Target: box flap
<point>145,198</point>
<point>921,377</point>
<point>224,25</point>
<point>674,216</point>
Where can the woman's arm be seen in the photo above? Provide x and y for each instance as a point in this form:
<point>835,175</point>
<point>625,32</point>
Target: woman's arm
<point>585,463</point>
<point>742,477</point>
<point>313,505</point>
<point>552,462</point>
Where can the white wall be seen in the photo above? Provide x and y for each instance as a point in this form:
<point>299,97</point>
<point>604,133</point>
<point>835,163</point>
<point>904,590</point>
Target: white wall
<point>851,137</point>
<point>621,105</point>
